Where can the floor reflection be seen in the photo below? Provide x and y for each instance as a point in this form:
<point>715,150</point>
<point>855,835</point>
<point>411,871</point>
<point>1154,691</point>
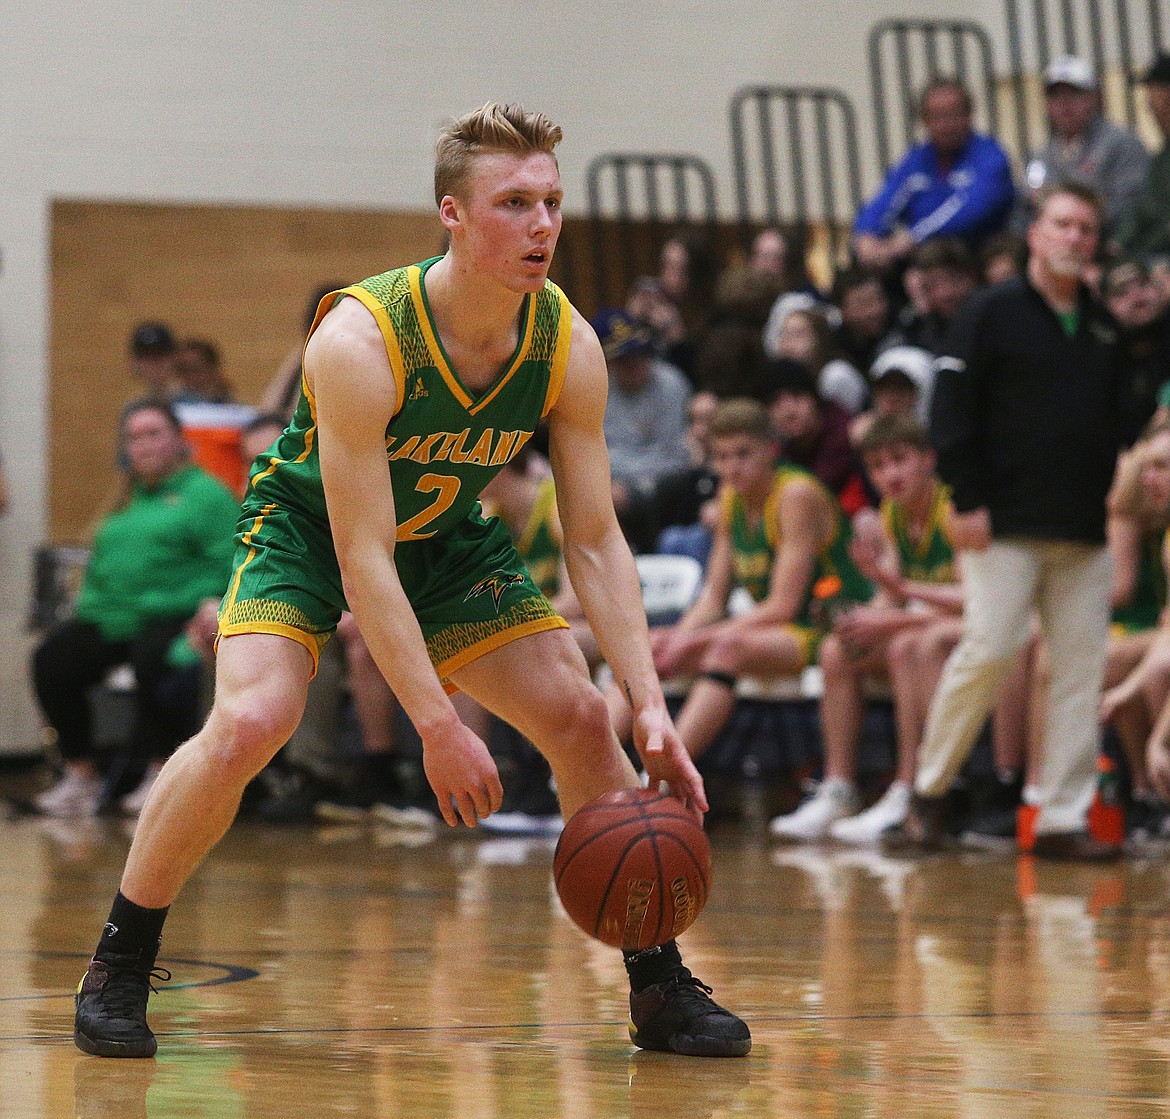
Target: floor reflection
<point>377,978</point>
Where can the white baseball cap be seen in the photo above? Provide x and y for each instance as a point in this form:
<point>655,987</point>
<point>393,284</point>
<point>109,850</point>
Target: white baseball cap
<point>1070,70</point>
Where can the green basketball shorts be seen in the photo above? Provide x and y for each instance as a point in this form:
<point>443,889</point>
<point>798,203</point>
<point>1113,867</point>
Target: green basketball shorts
<point>469,589</point>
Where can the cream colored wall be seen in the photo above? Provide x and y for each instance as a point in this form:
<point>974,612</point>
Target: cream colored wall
<point>308,104</point>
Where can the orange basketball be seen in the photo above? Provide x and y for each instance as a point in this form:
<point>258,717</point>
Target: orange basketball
<point>633,868</point>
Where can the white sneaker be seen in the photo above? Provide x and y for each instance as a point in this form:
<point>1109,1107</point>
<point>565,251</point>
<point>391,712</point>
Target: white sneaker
<point>865,829</point>
<point>133,802</point>
<point>834,800</point>
<point>75,795</point>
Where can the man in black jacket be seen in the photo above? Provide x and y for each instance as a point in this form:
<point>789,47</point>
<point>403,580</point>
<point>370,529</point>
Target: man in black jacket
<point>1026,419</point>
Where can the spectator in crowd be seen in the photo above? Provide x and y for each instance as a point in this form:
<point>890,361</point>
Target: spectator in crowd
<point>957,183</point>
<point>645,420</point>
<point>807,338</point>
<point>1003,257</point>
<point>684,502</point>
<point>1146,230</point>
<point>648,304</point>
<point>901,380</point>
<point>866,315</point>
<point>687,273</point>
<point>1137,304</point>
<point>1026,420</point>
<point>948,274</point>
<point>154,559</point>
<point>152,360</point>
<point>907,554</point>
<point>199,374</point>
<point>1083,147</point>
<point>731,359</point>
<point>769,256</point>
<point>779,530</point>
<point>814,433</point>
<point>1136,683</point>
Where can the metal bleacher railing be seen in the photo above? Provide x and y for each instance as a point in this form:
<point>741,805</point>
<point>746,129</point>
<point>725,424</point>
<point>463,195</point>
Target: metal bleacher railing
<point>904,55</point>
<point>636,201</point>
<point>795,149</point>
<point>1117,36</point>
<point>796,159</point>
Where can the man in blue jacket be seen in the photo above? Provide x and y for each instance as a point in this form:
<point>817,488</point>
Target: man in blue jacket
<point>958,183</point>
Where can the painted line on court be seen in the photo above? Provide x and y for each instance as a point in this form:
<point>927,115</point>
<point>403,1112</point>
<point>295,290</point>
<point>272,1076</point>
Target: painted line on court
<point>232,973</point>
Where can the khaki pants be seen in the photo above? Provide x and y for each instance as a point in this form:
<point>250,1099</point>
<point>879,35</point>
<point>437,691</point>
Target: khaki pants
<point>1068,585</point>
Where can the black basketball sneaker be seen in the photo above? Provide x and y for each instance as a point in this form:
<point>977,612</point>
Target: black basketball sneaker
<point>679,1016</point>
<point>110,1020</point>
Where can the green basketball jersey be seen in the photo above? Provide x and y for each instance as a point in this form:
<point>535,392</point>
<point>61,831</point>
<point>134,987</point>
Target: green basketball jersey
<point>444,443</point>
<point>538,544</point>
<point>932,558</point>
<point>754,545</point>
<point>1149,595</point>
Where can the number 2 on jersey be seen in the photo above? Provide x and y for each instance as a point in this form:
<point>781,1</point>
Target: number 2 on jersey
<point>448,488</point>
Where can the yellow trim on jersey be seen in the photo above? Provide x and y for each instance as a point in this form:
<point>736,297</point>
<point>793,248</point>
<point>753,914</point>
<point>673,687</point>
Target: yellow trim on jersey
<point>389,338</point>
<point>233,590</point>
<point>414,275</point>
<point>310,433</point>
<point>422,314</point>
<point>521,354</point>
<point>937,517</point>
<point>560,361</point>
<point>496,641</point>
<point>308,640</point>
<point>771,513</point>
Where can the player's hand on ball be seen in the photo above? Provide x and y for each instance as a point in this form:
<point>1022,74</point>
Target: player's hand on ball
<point>463,776</point>
<point>666,758</point>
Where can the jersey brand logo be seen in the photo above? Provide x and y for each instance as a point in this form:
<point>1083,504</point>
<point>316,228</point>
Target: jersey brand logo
<point>495,585</point>
<point>419,390</point>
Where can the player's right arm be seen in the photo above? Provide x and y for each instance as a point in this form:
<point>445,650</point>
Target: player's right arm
<point>349,374</point>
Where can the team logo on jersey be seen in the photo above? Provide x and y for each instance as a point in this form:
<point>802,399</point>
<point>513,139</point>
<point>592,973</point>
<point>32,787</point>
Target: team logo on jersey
<point>495,585</point>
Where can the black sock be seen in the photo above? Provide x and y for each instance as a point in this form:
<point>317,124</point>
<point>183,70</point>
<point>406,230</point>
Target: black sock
<point>132,930</point>
<point>652,965</point>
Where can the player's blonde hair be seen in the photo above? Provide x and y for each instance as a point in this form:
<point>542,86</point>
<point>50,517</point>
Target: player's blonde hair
<point>740,416</point>
<point>491,127</point>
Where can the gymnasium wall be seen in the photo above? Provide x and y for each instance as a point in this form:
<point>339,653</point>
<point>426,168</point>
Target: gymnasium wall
<point>303,107</point>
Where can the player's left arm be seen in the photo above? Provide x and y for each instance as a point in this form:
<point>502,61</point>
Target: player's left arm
<point>601,566</point>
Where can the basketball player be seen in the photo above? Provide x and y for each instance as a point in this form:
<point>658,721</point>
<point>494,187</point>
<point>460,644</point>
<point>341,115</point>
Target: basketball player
<point>779,532</point>
<point>419,384</point>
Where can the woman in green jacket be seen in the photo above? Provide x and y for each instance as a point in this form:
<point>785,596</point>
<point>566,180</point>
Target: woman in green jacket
<point>155,558</point>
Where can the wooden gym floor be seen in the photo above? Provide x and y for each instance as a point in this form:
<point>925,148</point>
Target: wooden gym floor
<point>331,972</point>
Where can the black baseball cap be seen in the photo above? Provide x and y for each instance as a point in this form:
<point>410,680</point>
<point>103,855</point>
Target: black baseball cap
<point>152,339</point>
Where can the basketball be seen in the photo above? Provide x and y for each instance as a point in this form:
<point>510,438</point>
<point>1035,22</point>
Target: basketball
<point>633,868</point>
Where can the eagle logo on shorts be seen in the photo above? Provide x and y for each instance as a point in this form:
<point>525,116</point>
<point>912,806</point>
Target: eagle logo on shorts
<point>495,584</point>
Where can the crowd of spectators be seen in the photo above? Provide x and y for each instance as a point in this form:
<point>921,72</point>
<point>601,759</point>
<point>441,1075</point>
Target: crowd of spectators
<point>781,435</point>
<point>892,346</point>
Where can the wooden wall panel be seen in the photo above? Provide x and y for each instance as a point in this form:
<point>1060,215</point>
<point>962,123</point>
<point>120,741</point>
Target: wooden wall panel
<point>239,276</point>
